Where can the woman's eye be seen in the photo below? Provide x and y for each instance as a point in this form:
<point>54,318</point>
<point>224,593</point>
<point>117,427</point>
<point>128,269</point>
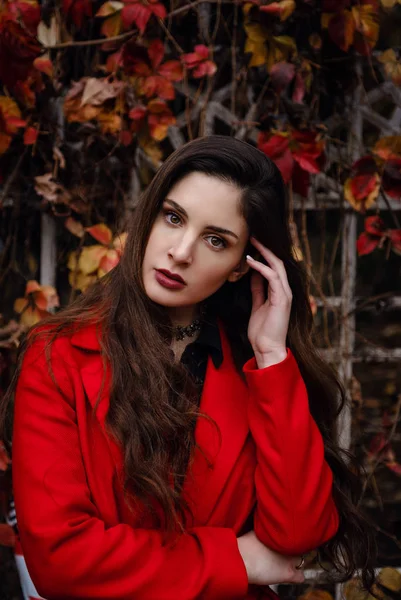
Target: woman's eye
<point>173,215</point>
<point>217,242</point>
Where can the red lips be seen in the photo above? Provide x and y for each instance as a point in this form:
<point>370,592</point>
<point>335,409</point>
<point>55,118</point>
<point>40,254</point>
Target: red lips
<point>174,276</point>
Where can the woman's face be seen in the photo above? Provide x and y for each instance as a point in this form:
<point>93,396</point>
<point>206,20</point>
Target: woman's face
<point>199,235</point>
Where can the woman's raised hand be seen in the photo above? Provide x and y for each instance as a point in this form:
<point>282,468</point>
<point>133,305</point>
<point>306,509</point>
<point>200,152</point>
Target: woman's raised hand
<point>268,324</point>
<point>266,567</point>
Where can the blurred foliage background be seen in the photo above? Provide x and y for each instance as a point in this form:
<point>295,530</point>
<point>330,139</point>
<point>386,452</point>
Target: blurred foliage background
<point>94,95</point>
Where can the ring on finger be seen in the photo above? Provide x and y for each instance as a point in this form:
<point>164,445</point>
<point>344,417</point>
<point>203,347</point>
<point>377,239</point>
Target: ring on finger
<point>301,564</point>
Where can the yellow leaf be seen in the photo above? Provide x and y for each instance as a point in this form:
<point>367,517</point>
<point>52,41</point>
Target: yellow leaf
<point>390,579</point>
<point>112,26</point>
<point>20,304</point>
<point>365,203</point>
<point>119,241</point>
<point>392,66</point>
<point>390,3</point>
<point>108,262</point>
<point>79,281</point>
<point>109,8</point>
<point>90,258</point>
<point>281,48</point>
<point>256,44</point>
<point>72,263</point>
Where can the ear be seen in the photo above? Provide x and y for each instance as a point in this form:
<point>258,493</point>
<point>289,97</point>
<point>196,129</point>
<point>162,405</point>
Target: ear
<point>240,270</point>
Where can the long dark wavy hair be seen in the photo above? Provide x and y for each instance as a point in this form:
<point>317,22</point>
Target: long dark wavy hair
<point>156,431</point>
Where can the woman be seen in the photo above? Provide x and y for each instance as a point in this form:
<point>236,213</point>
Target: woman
<point>174,429</point>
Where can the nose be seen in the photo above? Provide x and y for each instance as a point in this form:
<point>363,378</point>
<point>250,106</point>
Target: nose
<point>182,250</point>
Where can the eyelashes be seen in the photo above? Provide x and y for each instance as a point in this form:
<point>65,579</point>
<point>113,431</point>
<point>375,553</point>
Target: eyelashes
<point>173,214</point>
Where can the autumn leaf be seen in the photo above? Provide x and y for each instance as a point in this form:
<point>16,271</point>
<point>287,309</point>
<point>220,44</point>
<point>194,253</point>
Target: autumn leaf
<point>18,50</point>
<point>30,136</point>
<point>316,594</point>
<point>27,12</point>
<point>277,147</point>
<point>362,187</point>
<point>5,460</point>
<point>199,62</point>
<point>389,4</point>
<point>140,11</point>
<point>77,10</point>
<point>357,25</point>
<point>37,304</point>
<point>74,227</point>
<point>157,115</point>
<point>371,237</point>
<point>255,44</point>
<point>51,190</point>
<point>389,577</point>
<point>281,74</point>
<point>392,66</point>
<point>101,233</point>
<point>282,8</point>
<point>10,121</point>
<point>391,178</point>
<point>388,147</point>
<point>154,78</point>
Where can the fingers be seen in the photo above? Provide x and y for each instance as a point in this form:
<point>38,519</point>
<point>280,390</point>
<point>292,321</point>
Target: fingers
<point>275,263</point>
<point>257,290</point>
<point>276,289</point>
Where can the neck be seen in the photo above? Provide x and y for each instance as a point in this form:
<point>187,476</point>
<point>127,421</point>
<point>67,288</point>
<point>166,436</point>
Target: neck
<point>183,316</point>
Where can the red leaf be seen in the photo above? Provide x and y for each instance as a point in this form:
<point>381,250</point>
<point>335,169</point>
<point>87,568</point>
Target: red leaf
<point>374,226</point>
<point>363,185</point>
<point>171,70</point>
<point>394,466</point>
<point>156,53</point>
<point>366,244</point>
<point>392,178</point>
<point>30,136</point>
<point>159,10</point>
<point>77,10</point>
<point>341,29</point>
<point>281,74</point>
<point>395,237</point>
<point>299,89</point>
<point>135,13</point>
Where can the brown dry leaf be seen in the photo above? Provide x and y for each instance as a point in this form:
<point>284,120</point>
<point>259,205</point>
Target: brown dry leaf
<point>390,579</point>
<point>74,227</point>
<point>353,591</point>
<point>50,190</point>
<point>316,594</point>
<point>389,3</point>
<point>97,91</point>
<point>388,147</point>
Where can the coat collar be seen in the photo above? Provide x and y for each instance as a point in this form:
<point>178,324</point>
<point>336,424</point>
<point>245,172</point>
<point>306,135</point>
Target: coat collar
<point>224,399</point>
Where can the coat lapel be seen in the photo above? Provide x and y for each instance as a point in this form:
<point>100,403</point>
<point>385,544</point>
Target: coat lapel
<point>224,399</point>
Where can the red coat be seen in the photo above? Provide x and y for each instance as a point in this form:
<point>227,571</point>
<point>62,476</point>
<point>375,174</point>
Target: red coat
<point>79,539</point>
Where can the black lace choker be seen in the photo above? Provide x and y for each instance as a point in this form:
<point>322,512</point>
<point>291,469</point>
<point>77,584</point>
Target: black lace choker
<point>182,331</point>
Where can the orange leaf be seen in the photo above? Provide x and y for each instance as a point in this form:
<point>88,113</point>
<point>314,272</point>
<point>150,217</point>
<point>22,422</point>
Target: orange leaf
<point>74,227</point>
<point>101,233</point>
<point>32,286</point>
<point>120,241</point>
<point>341,28</point>
<point>108,262</point>
<point>44,65</point>
<point>90,258</point>
<point>46,298</point>
<point>112,26</point>
<point>282,9</point>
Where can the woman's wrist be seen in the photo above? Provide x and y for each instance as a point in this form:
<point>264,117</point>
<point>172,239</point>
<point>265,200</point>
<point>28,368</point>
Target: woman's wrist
<point>268,359</point>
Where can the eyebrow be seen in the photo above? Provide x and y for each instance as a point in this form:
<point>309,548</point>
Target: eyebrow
<point>211,227</point>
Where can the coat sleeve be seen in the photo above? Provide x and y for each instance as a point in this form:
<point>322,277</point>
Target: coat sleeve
<point>295,510</point>
<point>69,551</point>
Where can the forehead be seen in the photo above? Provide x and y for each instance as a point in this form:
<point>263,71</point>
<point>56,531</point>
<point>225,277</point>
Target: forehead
<point>208,196</point>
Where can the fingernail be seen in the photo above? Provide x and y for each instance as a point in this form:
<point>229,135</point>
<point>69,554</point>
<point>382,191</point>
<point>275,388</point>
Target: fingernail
<point>249,257</point>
